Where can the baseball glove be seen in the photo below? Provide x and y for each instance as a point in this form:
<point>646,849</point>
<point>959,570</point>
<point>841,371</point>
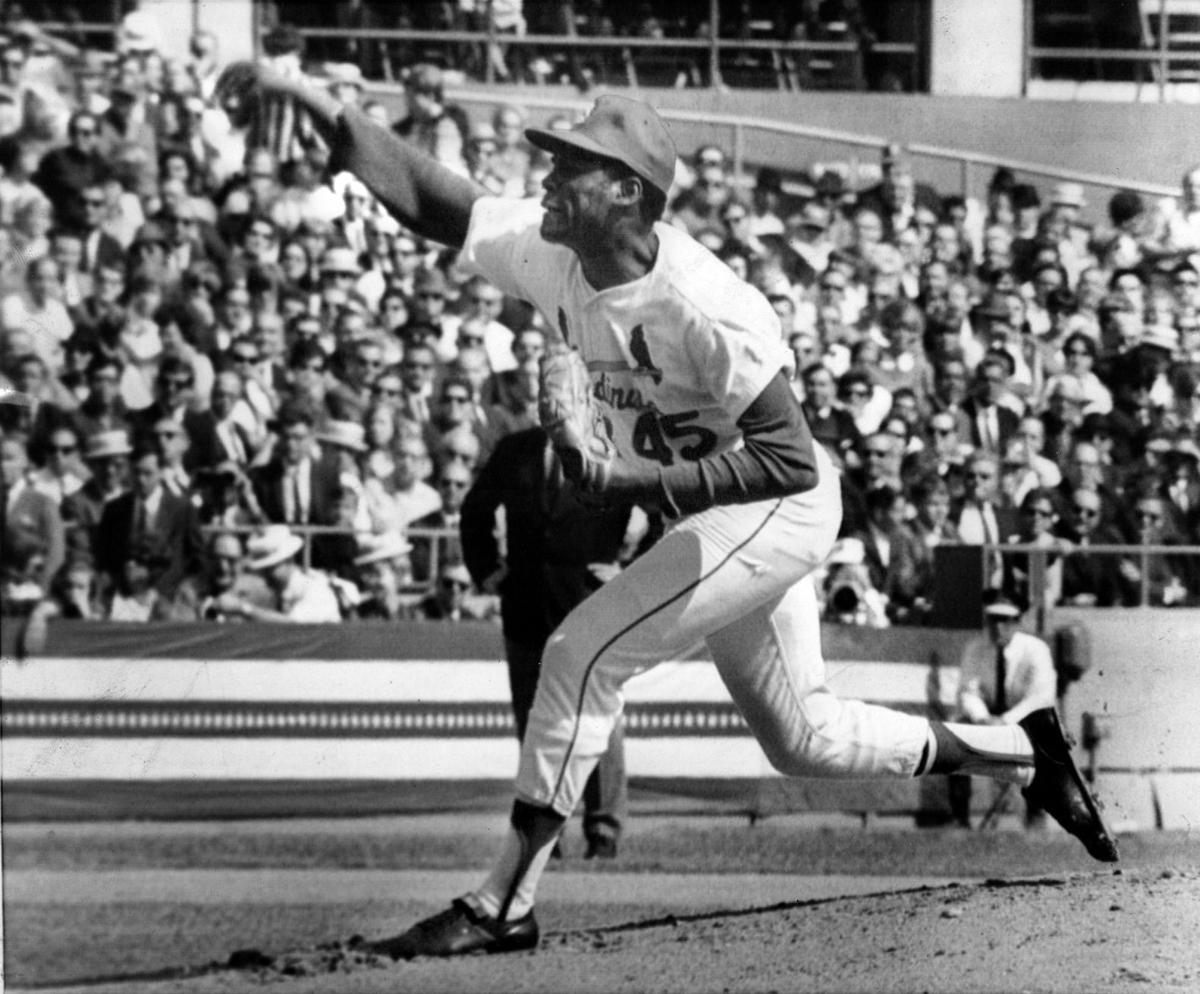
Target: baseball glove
<point>566,411</point>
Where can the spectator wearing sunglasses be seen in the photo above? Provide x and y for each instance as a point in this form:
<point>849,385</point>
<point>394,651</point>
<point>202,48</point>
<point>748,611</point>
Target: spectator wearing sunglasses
<point>430,293</point>
<point>481,325</point>
<point>359,363</point>
<point>1090,579</point>
<point>65,172</point>
<point>429,554</point>
<point>451,598</point>
<point>1041,526</point>
<point>174,389</point>
<point>63,472</point>
<point>1156,579</point>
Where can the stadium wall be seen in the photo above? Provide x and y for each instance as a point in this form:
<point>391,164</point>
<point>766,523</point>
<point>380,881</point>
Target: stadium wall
<point>1149,143</point>
<point>120,720</point>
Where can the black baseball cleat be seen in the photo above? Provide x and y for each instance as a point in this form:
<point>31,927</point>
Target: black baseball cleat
<point>458,931</point>
<point>1059,788</point>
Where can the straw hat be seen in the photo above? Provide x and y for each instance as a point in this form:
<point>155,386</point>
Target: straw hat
<point>1161,337</point>
<point>1068,195</point>
<point>273,545</point>
<point>105,444</point>
<point>339,260</point>
<point>375,548</point>
<point>344,434</point>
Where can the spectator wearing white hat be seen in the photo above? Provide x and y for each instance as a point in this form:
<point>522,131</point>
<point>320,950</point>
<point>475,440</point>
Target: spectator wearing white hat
<point>107,456</point>
<point>345,82</point>
<point>351,227</point>
<point>339,271</point>
<point>301,595</point>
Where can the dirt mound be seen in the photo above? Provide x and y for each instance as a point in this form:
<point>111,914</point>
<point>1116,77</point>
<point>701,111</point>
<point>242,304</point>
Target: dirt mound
<point>1111,931</point>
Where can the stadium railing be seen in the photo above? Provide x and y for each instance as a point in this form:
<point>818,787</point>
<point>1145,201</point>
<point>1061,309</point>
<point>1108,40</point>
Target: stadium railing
<point>1038,557</point>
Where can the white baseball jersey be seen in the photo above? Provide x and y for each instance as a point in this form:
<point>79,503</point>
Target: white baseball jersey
<point>675,357</point>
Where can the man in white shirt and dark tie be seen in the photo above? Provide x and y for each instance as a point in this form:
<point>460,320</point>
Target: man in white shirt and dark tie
<point>1005,675</point>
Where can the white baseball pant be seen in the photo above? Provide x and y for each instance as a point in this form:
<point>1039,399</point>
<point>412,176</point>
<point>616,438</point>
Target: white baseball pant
<point>738,577</point>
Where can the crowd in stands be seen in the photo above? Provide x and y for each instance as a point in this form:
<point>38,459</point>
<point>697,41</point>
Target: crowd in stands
<point>208,346</point>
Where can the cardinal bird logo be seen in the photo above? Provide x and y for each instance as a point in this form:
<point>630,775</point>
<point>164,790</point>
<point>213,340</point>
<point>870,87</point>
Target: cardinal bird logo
<point>641,352</point>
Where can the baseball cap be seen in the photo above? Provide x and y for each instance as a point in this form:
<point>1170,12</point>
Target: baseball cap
<point>623,130</point>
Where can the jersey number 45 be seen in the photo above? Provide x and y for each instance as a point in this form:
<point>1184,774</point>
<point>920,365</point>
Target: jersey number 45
<point>653,431</point>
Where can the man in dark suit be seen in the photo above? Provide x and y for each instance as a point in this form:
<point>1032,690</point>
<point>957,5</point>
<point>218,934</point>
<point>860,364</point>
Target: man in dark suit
<point>1091,579</point>
<point>559,550</point>
<point>149,511</point>
<point>453,482</point>
<point>943,456</point>
<point>174,388</point>
<point>99,247</point>
<point>951,386</point>
<point>30,519</point>
<point>831,425</point>
<point>65,172</point>
<point>107,455</point>
<point>103,409</point>
<point>358,365</point>
<point>893,557</point>
<point>992,423</point>
<point>300,485</point>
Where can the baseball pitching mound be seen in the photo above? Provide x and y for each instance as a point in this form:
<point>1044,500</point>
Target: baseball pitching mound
<point>1103,931</point>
